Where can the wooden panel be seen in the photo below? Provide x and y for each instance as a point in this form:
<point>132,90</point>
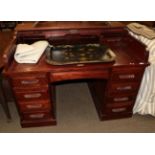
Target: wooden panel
<point>32,80</point>
<point>38,122</point>
<point>119,104</point>
<point>118,110</point>
<point>32,94</point>
<point>128,75</point>
<point>34,106</point>
<point>123,88</point>
<point>36,115</point>
<point>64,25</point>
<point>120,98</point>
<point>60,76</point>
<point>109,116</point>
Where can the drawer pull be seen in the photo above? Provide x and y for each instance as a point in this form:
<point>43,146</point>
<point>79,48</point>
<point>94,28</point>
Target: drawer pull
<point>36,115</point>
<point>37,95</point>
<point>128,76</point>
<point>29,81</point>
<point>119,110</point>
<point>75,31</point>
<point>34,106</point>
<point>124,88</point>
<point>121,99</point>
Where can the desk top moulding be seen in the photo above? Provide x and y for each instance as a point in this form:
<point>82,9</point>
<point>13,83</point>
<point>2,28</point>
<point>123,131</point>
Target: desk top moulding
<point>59,25</point>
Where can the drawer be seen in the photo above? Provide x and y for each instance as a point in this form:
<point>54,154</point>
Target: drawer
<point>118,110</point>
<point>129,75</point>
<point>121,98</point>
<point>29,81</point>
<point>36,115</point>
<point>119,104</point>
<point>123,88</point>
<point>73,75</point>
<point>32,94</point>
<point>34,106</point>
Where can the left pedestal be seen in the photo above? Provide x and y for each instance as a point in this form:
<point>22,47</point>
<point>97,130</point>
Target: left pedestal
<point>34,99</point>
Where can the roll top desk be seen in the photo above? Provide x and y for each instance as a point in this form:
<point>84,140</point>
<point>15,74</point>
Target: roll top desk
<point>113,85</point>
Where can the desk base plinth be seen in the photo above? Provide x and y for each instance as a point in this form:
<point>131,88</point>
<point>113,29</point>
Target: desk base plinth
<point>104,117</point>
<point>37,123</point>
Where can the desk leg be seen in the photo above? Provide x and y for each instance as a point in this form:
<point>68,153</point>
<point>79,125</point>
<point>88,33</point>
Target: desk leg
<point>97,90</point>
<point>4,100</point>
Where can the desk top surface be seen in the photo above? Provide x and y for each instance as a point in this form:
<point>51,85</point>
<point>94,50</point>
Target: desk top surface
<point>128,51</point>
<point>124,57</point>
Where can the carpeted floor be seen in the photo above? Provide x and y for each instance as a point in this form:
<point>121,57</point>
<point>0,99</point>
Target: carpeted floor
<point>76,113</point>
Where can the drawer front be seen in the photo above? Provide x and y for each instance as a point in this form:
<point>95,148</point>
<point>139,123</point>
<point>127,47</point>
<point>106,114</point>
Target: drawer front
<point>34,106</point>
<point>36,115</point>
<point>123,88</point>
<point>38,94</point>
<point>73,75</point>
<point>121,98</point>
<point>127,76</point>
<point>119,104</point>
<point>118,110</point>
<point>29,81</point>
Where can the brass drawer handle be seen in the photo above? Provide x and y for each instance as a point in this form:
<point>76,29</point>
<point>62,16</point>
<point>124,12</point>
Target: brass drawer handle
<point>25,82</point>
<point>118,109</point>
<point>34,106</point>
<point>128,76</point>
<point>74,31</point>
<point>113,40</point>
<point>36,95</point>
<point>37,115</point>
<point>121,99</point>
<point>124,88</point>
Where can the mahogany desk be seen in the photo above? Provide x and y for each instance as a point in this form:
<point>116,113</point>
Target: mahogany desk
<point>113,86</point>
